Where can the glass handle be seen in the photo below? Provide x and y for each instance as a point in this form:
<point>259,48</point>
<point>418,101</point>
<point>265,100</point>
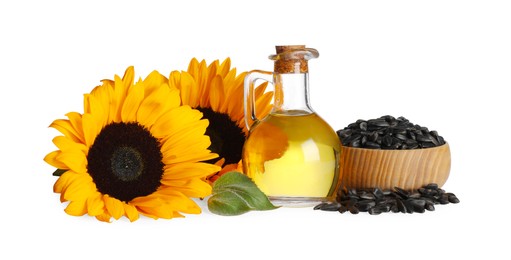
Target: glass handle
<point>249,100</point>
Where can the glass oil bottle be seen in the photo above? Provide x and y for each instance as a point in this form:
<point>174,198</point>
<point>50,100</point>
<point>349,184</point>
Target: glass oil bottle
<point>292,154</point>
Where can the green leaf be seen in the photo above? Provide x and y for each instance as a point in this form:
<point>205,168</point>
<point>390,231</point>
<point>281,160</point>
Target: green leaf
<point>234,194</point>
<point>59,172</point>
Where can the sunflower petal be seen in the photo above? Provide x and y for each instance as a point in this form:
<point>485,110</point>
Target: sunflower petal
<point>76,121</point>
<point>264,103</point>
<point>194,187</point>
<point>64,126</point>
<point>66,144</point>
<point>62,183</point>
<point>188,170</point>
<point>92,105</point>
<point>153,81</point>
<point>76,208</point>
<point>74,160</point>
<point>225,67</point>
<point>216,95</point>
<point>91,129</point>
<point>114,206</point>
<point>51,159</point>
<point>188,90</point>
<point>157,103</point>
<point>79,188</point>
<point>95,205</point>
<point>118,95</point>
<point>105,217</point>
<point>175,120</point>
<point>132,102</point>
<point>146,201</point>
<point>193,67</point>
<point>129,76</point>
<point>179,201</point>
<point>130,212</point>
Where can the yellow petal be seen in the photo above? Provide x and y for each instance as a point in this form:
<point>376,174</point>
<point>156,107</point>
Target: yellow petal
<point>114,206</point>
<point>225,67</point>
<point>75,119</point>
<point>161,211</point>
<point>65,127</point>
<point>92,105</point>
<point>203,84</point>
<point>189,91</point>
<point>76,208</point>
<point>189,170</point>
<point>146,201</point>
<point>263,102</point>
<point>153,81</point>
<point>175,79</point>
<point>176,214</point>
<point>130,212</point>
<point>117,98</point>
<point>193,67</point>
<point>229,80</point>
<point>157,103</point>
<point>216,94</point>
<point>188,153</point>
<point>211,72</point>
<point>62,183</point>
<point>51,159</point>
<point>95,204</point>
<point>74,160</point>
<point>66,144</point>
<point>91,129</point>
<point>193,187</point>
<point>129,76</point>
<point>132,102</point>
<point>179,202</point>
<point>174,120</point>
<point>173,99</point>
<point>102,94</point>
<point>79,188</point>
<point>105,217</point>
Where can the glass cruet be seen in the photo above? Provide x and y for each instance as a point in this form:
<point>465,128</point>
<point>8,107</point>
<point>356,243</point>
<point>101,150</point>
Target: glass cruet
<point>292,154</point>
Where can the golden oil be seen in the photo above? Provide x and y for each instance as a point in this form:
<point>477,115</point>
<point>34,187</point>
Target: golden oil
<point>293,155</point>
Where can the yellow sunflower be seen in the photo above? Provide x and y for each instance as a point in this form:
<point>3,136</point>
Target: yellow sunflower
<point>135,150</point>
<point>217,91</point>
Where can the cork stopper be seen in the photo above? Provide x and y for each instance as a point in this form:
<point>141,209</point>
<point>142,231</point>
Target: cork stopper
<point>293,58</point>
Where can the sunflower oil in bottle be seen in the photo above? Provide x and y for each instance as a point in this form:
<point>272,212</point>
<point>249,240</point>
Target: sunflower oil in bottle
<point>292,154</point>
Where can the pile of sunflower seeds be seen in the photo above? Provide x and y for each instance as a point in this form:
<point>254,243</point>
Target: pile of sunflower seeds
<point>389,133</point>
<point>376,201</point>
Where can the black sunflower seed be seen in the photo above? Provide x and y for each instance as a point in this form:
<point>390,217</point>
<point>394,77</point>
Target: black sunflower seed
<point>432,186</point>
<point>376,201</point>
<point>422,138</point>
<point>378,194</point>
<point>372,145</point>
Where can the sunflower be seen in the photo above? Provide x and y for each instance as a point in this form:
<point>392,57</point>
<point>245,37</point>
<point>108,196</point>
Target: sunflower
<point>217,91</point>
<point>135,150</point>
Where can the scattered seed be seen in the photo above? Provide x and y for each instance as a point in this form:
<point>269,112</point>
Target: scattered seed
<point>376,201</point>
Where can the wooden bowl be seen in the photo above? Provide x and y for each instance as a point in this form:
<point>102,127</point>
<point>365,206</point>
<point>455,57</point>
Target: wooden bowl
<point>386,169</point>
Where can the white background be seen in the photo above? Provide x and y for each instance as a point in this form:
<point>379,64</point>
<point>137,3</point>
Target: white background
<point>442,64</point>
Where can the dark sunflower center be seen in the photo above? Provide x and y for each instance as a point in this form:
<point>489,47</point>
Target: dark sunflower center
<point>227,138</point>
<point>125,161</point>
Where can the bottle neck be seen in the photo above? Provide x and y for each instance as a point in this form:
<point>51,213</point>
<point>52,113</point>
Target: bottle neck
<point>292,94</point>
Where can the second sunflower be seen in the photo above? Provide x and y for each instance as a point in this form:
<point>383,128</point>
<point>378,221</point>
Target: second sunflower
<point>217,91</point>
